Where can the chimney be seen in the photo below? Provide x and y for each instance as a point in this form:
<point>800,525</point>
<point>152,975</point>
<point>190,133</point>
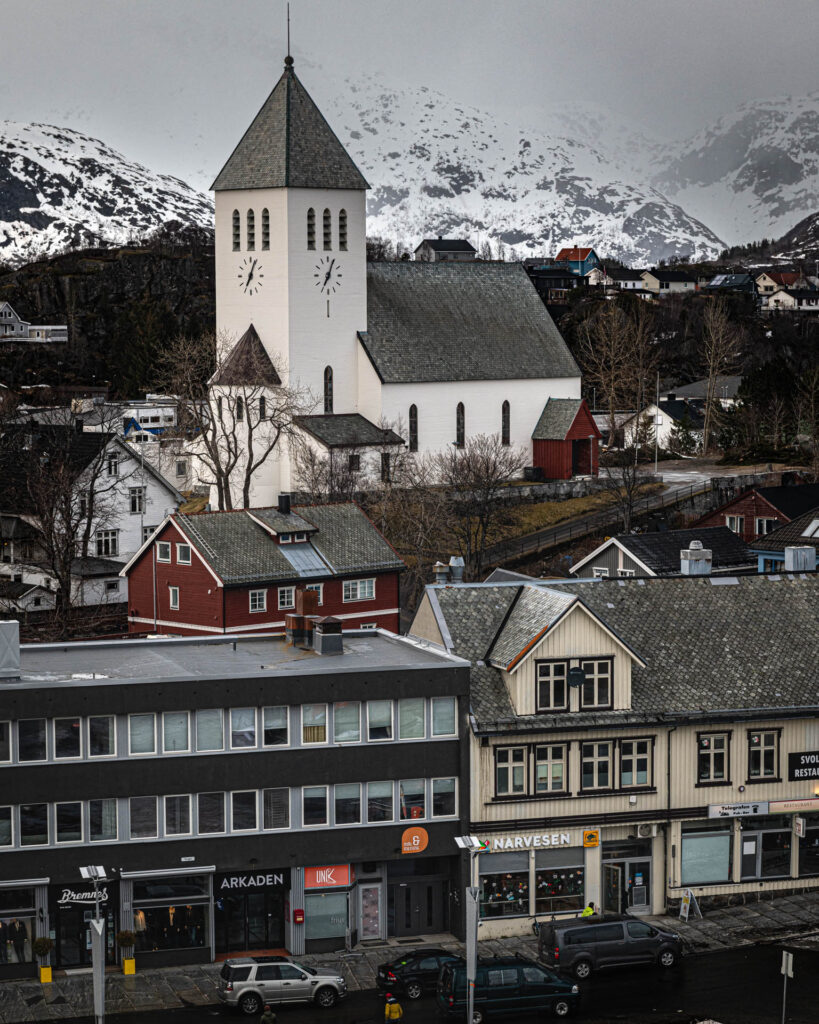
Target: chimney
<point>284,504</point>
<point>306,601</point>
<point>441,570</point>
<point>695,560</point>
<point>670,397</point>
<point>10,649</point>
<point>327,636</point>
<point>801,558</point>
<point>79,425</point>
<point>456,567</point>
<point>294,628</point>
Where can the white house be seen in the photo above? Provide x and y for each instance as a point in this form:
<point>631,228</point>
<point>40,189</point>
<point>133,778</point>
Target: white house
<point>442,350</point>
<point>665,282</point>
<point>441,250</point>
<point>672,413</point>
<point>805,299</point>
<point>14,328</point>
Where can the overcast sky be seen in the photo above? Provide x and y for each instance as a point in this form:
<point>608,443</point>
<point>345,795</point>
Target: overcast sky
<point>174,83</point>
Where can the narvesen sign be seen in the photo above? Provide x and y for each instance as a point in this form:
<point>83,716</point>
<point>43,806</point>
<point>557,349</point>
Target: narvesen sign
<point>803,766</point>
<point>530,842</point>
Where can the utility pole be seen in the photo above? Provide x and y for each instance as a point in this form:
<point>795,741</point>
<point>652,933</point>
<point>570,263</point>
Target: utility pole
<point>656,423</point>
<point>95,873</point>
<point>787,972</point>
<point>474,846</point>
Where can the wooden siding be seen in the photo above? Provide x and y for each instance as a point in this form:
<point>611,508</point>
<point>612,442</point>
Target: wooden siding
<point>607,559</point>
<point>554,458</point>
<point>425,625</point>
<point>752,506</point>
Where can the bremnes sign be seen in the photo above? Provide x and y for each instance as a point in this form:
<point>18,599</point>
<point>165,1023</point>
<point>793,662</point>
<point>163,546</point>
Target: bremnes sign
<point>86,897</point>
<point>804,765</point>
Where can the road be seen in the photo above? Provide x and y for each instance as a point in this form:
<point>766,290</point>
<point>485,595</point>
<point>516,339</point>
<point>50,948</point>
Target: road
<point>739,986</point>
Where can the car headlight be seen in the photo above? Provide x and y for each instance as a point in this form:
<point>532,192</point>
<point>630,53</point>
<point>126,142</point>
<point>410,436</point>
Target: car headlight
<point>575,990</point>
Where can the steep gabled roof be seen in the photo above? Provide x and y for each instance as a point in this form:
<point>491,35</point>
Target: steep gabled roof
<point>447,245</point>
<point>289,145</point>
<point>558,417</point>
<point>803,530</point>
<point>791,501</point>
<point>574,253</point>
<point>451,321</point>
<point>247,364</point>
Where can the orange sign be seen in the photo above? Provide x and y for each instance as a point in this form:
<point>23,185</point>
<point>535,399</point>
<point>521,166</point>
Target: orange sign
<point>414,840</point>
<point>591,837</point>
<point>328,877</point>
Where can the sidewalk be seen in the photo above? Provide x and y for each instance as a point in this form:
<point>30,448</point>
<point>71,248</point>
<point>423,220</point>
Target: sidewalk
<point>793,918</point>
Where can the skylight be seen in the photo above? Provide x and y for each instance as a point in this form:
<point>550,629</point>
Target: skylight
<point>812,530</point>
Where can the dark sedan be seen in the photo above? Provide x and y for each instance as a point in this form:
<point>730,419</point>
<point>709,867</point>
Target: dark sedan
<point>413,973</point>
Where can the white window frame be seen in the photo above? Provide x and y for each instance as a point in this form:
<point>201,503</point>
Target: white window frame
<point>315,743</point>
<point>285,603</point>
<point>38,760</point>
<point>112,464</point>
<point>425,787</point>
<point>510,765</point>
<point>393,801</point>
<point>112,586</point>
<point>442,778</point>
<point>184,750</point>
<point>244,831</point>
<point>391,737</point>
<point>276,746</point>
<point>335,705</point>
<point>299,537</point>
<point>180,548</point>
<point>87,810</point>
<point>13,821</point>
<point>7,723</point>
<point>760,520</point>
<point>349,595</point>
<point>326,822</point>
<point>142,839</point>
<point>87,735</point>
<point>348,824</point>
<point>600,572</point>
<point>176,796</point>
<point>146,753</point>
<point>319,589</point>
<point>19,814</point>
<point>173,598</point>
<point>423,736</point>
<point>277,828</point>
<point>285,538</point>
<point>738,526</point>
<point>255,744</point>
<point>440,735</point>
<point>219,711</point>
<point>261,607</point>
<point>102,539</point>
<point>626,574</point>
<point>69,842</point>
<point>74,757</point>
<point>163,545</point>
<point>137,496</point>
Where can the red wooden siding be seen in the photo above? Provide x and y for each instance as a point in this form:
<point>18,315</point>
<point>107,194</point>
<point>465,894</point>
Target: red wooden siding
<point>752,506</point>
<point>555,457</point>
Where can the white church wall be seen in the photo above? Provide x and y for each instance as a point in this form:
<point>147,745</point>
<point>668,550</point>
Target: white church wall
<point>369,388</point>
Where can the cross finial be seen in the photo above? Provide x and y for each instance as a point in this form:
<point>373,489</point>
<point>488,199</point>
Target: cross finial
<point>288,32</point>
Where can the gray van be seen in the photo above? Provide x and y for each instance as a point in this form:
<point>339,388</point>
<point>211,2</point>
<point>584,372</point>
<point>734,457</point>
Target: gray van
<point>587,944</point>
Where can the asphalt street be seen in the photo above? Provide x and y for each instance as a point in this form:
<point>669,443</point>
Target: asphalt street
<point>740,986</point>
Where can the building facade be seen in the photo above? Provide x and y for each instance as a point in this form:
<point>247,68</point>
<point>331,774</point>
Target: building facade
<point>243,795</point>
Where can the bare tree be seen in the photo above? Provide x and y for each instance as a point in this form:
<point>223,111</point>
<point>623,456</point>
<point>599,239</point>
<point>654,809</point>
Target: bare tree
<point>234,410</point>
<point>807,415</point>
<point>720,347</point>
<point>622,476</point>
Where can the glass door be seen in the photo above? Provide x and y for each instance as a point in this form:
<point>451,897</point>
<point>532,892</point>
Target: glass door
<point>750,855</point>
<point>371,912</point>
<point>612,888</point>
<point>638,884</point>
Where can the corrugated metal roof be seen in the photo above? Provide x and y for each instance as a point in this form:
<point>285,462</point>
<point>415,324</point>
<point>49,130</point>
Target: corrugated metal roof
<point>304,559</point>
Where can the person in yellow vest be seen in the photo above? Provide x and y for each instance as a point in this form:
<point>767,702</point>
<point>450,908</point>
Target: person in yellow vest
<point>392,1008</point>
<point>588,911</point>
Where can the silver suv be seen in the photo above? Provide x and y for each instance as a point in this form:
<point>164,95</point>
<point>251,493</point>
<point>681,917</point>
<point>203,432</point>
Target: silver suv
<point>251,981</point>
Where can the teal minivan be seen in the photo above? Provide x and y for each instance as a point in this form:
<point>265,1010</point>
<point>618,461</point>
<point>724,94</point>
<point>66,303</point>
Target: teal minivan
<point>510,985</point>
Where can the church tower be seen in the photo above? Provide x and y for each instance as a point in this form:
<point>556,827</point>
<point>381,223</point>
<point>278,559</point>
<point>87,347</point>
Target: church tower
<point>290,254</point>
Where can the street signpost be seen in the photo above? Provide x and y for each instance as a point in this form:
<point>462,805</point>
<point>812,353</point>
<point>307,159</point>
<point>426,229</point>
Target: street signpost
<point>799,827</point>
<point>471,948</point>
<point>787,972</point>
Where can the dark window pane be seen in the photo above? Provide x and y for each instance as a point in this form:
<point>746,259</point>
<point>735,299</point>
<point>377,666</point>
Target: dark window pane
<point>102,820</point>
<point>244,811</point>
<point>101,741</point>
<point>31,739</point>
<point>69,823</point>
<point>348,804</point>
<point>33,824</point>
<point>315,805</point>
<point>211,812</point>
<point>143,817</point>
<point>276,808</point>
<point>66,737</point>
<point>275,726</point>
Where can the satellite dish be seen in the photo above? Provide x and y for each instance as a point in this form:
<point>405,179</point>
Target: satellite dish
<point>576,677</point>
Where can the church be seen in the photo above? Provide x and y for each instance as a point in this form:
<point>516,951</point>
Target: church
<point>438,352</point>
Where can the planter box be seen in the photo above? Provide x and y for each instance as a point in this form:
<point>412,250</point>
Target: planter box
<point>128,965</point>
<point>45,975</point>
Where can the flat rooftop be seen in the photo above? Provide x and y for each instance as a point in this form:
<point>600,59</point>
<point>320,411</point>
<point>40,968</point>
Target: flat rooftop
<point>140,661</point>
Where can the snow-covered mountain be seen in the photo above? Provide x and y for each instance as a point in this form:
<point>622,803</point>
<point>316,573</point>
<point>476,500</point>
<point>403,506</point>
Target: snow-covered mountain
<point>59,187</point>
<point>438,167</point>
<point>750,174</point>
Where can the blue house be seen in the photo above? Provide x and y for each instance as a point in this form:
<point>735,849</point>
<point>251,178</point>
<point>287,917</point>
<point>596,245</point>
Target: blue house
<point>579,259</point>
<point>791,548</point>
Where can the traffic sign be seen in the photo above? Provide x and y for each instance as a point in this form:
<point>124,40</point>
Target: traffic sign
<point>787,964</point>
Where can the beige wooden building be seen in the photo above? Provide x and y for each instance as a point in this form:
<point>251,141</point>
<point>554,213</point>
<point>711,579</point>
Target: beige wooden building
<point>634,738</point>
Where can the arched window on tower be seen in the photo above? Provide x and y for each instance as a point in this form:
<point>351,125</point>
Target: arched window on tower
<point>505,430</point>
<point>328,389</point>
<point>460,425</point>
<point>342,230</point>
<point>328,231</point>
<point>251,230</point>
<point>413,428</point>
<point>240,410</point>
<point>237,231</point>
<point>311,228</point>
<point>265,229</point>
<point>262,408</point>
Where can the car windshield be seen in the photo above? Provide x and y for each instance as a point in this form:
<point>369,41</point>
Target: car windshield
<point>307,970</point>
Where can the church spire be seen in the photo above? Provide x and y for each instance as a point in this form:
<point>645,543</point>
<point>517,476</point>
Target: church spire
<point>289,145</point>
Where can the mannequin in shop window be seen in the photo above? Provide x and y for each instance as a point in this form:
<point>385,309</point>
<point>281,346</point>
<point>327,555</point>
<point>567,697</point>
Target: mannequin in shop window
<point>18,936</point>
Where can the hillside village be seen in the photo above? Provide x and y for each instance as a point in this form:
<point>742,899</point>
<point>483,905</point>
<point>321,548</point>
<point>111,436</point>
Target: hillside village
<point>382,577</point>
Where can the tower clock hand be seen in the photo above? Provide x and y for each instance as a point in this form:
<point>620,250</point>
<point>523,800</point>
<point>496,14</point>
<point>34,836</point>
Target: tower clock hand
<point>329,271</point>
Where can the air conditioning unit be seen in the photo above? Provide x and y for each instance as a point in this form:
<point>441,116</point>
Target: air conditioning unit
<point>646,831</point>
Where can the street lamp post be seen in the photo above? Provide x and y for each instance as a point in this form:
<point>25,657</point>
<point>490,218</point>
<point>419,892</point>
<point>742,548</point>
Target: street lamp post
<point>474,846</point>
<point>95,873</point>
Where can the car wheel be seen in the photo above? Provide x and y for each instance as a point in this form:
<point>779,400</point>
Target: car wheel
<point>582,969</point>
<point>413,989</point>
<point>562,1008</point>
<point>326,997</point>
<point>250,1005</point>
<point>668,958</point>
<point>477,1017</point>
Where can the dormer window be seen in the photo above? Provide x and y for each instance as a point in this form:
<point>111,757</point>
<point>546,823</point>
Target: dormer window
<point>596,691</point>
<point>285,538</point>
<point>551,686</point>
<point>299,538</point>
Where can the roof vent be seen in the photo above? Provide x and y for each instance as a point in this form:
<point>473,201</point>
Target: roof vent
<point>441,570</point>
<point>10,649</point>
<point>327,636</point>
<point>801,558</point>
<point>695,560</point>
<point>456,567</point>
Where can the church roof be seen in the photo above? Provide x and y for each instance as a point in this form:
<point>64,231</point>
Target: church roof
<point>289,145</point>
<point>347,430</point>
<point>459,321</point>
<point>247,363</point>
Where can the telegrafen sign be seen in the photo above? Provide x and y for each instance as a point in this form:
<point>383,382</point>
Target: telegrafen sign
<point>803,765</point>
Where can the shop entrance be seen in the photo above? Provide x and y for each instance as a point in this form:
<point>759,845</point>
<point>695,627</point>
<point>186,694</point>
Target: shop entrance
<point>627,886</point>
<point>416,907</point>
<point>250,921</point>
<point>73,936</point>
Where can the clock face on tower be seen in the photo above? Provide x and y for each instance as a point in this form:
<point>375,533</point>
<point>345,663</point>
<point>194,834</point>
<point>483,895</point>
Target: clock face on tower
<point>250,275</point>
<point>328,275</point>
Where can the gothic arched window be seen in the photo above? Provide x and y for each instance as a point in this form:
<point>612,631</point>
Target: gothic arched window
<point>240,409</point>
<point>328,230</point>
<point>262,408</point>
<point>311,228</point>
<point>460,425</point>
<point>413,428</point>
<point>237,231</point>
<point>505,430</point>
<point>265,229</point>
<point>342,230</point>
<point>251,230</point>
<point>328,389</point>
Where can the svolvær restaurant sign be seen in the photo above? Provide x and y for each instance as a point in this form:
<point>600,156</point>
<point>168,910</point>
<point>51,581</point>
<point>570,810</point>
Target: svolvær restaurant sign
<point>804,765</point>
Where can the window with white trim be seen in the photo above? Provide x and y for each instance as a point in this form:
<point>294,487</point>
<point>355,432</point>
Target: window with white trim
<point>102,821</point>
<point>313,723</point>
<point>444,718</point>
<point>735,523</point>
<point>347,797</point>
<point>275,726</point>
<point>142,734</point>
<point>411,724</point>
<point>347,721</point>
<point>275,808</point>
<point>595,765</point>
<point>552,691</point>
<point>68,819</point>
<point>635,763</point>
<point>626,574</point>
<point>444,798</point>
<point>319,589</point>
<point>380,801</point>
<point>31,739</point>
<point>173,598</point>
<point>5,742</point>
<point>102,741</point>
<point>136,500</point>
<point>600,572</point>
<point>163,551</point>
<point>596,689</point>
<point>33,825</point>
<point>177,815</point>
<point>242,728</point>
<point>210,809</point>
<point>314,805</point>
<point>763,526</point>
<point>112,464</point>
<point>379,720</point>
<point>175,731</point>
<point>107,543</point>
<point>142,817</point>
<point>258,600</point>
<point>763,754</point>
<point>287,597</point>
<point>510,771</point>
<point>550,768</point>
<point>183,554</point>
<point>243,811</point>
<point>412,799</point>
<point>209,730</point>
<point>358,590</point>
<point>67,738</point>
<point>147,533</point>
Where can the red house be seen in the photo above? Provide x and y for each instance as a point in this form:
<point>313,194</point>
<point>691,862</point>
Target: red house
<point>760,510</point>
<point>566,440</point>
<point>240,571</point>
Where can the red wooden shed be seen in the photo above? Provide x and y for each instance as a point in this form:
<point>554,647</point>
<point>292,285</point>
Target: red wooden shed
<point>565,442</point>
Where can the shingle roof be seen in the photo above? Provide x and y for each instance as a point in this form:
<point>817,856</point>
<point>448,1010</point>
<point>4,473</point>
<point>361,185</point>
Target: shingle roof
<point>556,419</point>
<point>447,245</point>
<point>460,321</point>
<point>247,364</point>
<point>289,144</point>
<point>661,551</point>
<point>671,275</point>
<point>535,610</point>
<point>347,430</point>
<point>678,410</point>
<point>792,533</point>
<point>13,590</point>
<point>574,253</point>
<point>726,387</point>
<point>792,501</point>
<point>730,281</point>
<point>240,550</point>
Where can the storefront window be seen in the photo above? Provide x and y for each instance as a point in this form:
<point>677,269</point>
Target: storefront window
<point>325,915</point>
<point>558,881</point>
<point>809,846</point>
<point>412,798</point>
<point>504,884</point>
<point>16,925</point>
<point>775,854</point>
<point>171,913</point>
<point>706,857</point>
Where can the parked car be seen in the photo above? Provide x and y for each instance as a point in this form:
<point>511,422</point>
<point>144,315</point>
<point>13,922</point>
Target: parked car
<point>583,945</point>
<point>413,973</point>
<point>249,982</point>
<point>512,985</point>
